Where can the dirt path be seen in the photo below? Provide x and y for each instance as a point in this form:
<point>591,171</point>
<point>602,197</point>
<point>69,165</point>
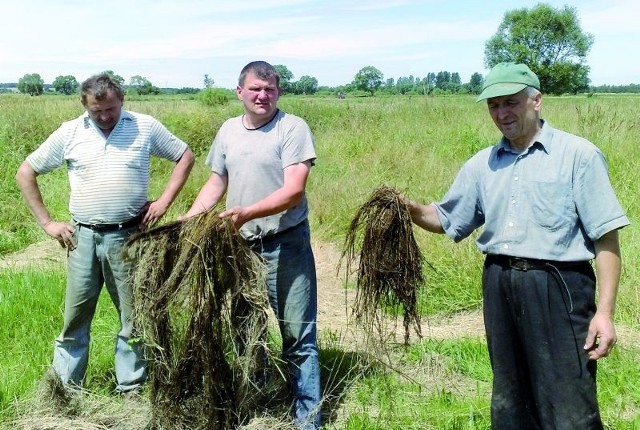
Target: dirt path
<point>333,303</point>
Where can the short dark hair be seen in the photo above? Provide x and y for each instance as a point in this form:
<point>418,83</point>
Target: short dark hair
<point>98,86</point>
<point>261,69</point>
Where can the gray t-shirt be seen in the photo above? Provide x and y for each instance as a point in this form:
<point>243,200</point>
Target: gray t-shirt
<point>254,162</point>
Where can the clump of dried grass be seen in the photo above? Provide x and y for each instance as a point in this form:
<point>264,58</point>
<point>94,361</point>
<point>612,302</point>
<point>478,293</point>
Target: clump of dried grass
<point>55,407</point>
<point>389,275</point>
<point>200,305</point>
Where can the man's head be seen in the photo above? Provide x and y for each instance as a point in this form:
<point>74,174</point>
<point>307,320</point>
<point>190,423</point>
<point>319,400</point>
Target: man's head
<point>261,69</point>
<point>102,97</point>
<point>506,79</point>
<point>259,90</point>
<point>514,100</point>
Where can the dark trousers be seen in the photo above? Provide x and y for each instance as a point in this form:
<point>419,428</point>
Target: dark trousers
<point>536,323</point>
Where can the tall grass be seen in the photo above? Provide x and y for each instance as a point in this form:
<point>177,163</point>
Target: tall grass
<point>417,145</point>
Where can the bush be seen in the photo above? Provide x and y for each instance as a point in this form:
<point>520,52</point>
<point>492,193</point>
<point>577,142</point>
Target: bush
<point>213,96</point>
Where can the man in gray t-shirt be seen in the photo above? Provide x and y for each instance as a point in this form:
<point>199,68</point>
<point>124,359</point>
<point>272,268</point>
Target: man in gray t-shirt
<point>284,142</point>
<point>261,161</point>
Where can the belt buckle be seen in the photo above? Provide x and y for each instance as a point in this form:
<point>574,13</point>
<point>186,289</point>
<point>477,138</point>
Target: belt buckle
<point>519,263</point>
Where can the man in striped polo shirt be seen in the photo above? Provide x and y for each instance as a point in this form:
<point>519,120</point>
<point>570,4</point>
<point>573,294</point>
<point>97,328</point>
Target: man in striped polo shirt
<point>107,152</point>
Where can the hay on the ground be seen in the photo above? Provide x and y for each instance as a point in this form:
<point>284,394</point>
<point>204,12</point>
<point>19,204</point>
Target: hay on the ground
<point>202,310</point>
<point>389,275</point>
<point>55,407</point>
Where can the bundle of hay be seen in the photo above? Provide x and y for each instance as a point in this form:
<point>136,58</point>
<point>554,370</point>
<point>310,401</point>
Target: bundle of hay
<point>201,307</point>
<point>56,407</point>
<point>389,273</point>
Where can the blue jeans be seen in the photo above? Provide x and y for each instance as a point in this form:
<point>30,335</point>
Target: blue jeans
<point>97,260</point>
<point>292,288</point>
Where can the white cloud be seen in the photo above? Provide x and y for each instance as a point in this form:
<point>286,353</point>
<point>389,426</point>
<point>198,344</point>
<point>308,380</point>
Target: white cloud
<point>327,39</point>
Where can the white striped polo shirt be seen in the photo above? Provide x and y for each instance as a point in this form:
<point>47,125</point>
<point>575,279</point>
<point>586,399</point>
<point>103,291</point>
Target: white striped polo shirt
<point>109,177</point>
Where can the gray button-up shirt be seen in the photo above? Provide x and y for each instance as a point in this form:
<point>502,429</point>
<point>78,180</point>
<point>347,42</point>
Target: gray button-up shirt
<point>550,202</point>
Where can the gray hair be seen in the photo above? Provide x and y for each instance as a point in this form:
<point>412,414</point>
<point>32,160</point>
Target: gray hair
<point>532,92</point>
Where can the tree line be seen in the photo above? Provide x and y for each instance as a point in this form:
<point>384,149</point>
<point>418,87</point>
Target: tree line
<point>33,84</point>
<point>368,80</point>
<point>549,40</point>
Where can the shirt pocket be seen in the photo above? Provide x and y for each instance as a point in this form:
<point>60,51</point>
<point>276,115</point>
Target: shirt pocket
<point>550,204</point>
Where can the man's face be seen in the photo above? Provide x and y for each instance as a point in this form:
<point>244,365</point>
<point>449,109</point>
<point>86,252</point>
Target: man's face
<point>260,97</point>
<point>516,116</point>
<point>104,113</point>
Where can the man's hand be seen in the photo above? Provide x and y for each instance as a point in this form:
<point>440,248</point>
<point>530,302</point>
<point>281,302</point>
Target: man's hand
<point>62,232</point>
<point>154,210</point>
<point>601,337</point>
<point>424,216</point>
<point>237,214</point>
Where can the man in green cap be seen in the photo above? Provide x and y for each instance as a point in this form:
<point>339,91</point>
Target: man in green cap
<point>533,194</point>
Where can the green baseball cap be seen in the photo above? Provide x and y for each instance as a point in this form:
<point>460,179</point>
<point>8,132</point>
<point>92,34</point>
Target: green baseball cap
<point>506,79</point>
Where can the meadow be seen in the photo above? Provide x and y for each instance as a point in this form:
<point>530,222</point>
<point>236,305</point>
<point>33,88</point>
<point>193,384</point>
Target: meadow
<point>415,144</point>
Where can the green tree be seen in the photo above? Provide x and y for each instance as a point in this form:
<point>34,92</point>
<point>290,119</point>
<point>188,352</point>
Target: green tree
<point>431,82</point>
<point>455,85</point>
<point>423,86</point>
<point>143,86</point>
<point>475,83</point>
<point>66,84</point>
<point>139,81</point>
<point>306,85</point>
<point>390,83</point>
<point>550,41</point>
<point>208,82</point>
<point>285,78</point>
<point>443,78</point>
<point>31,84</point>
<point>187,90</point>
<point>119,79</point>
<point>368,79</point>
<point>213,96</point>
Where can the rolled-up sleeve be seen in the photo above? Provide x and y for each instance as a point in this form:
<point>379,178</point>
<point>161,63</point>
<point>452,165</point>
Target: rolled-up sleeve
<point>460,211</point>
<point>596,203</point>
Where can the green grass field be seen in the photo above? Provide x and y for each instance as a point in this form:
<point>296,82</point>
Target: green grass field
<point>415,144</point>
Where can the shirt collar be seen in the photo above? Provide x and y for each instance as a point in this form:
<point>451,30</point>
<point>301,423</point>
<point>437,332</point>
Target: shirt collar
<point>124,115</point>
<point>543,140</point>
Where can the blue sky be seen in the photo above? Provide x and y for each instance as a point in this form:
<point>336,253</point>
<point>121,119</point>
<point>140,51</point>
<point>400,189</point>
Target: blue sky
<point>174,43</point>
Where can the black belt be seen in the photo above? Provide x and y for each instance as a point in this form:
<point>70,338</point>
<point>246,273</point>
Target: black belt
<point>102,228</point>
<point>525,264</point>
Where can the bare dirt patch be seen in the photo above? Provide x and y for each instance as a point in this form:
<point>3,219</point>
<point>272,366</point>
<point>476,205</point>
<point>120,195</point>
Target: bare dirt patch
<point>335,303</point>
<point>48,252</point>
